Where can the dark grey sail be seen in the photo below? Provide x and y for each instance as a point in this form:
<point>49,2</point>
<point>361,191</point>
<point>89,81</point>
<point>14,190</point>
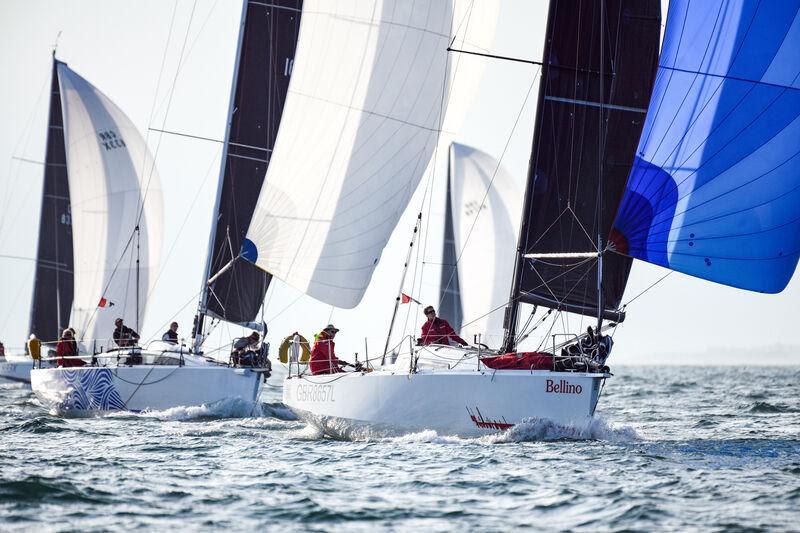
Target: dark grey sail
<point>53,283</point>
<point>266,53</point>
<point>599,56</point>
<point>450,293</point>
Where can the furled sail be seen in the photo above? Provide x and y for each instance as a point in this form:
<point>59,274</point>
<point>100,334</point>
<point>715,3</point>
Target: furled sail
<point>486,204</point>
<point>580,159</point>
<point>113,187</point>
<point>265,62</point>
<point>53,285</point>
<point>715,190</point>
<point>361,121</point>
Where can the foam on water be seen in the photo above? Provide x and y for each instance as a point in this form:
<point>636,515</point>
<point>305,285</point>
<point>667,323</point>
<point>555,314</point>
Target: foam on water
<point>228,408</point>
<point>539,429</point>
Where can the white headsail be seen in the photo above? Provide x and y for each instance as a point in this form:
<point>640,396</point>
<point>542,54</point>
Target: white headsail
<point>111,173</point>
<point>368,90</point>
<point>486,204</point>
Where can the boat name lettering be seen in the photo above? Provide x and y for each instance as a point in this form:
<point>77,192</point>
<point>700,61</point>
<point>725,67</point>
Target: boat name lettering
<point>563,387</point>
<point>315,393</point>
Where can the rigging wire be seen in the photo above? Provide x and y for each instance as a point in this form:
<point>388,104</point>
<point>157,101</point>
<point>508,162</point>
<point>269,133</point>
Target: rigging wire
<point>447,90</point>
<point>662,278</point>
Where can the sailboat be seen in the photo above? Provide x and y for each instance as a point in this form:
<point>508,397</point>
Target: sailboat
<point>448,389</point>
<point>380,108</point>
<point>482,205</point>
<point>702,178</point>
<point>161,375</point>
<point>72,285</point>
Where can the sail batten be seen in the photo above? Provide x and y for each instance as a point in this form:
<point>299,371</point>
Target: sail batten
<point>715,188</point>
<point>596,107</point>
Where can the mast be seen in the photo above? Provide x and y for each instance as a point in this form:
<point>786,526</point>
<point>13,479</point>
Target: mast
<point>512,310</point>
<point>201,306</point>
<point>138,274</point>
<point>600,161</point>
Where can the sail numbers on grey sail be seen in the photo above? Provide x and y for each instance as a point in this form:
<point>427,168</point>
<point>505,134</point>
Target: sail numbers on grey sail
<point>264,66</point>
<point>571,198</point>
<point>53,283</point>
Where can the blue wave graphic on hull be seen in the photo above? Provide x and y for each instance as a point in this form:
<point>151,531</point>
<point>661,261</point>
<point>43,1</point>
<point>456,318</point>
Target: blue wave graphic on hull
<point>91,390</point>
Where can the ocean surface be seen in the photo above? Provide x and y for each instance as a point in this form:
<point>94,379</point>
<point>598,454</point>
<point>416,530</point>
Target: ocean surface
<point>672,448</point>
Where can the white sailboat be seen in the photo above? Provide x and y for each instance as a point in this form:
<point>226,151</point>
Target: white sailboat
<point>161,375</point>
<point>359,171</point>
<point>712,190</point>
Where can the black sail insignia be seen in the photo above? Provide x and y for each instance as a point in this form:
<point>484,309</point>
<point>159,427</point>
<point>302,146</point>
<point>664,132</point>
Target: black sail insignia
<point>265,65</point>
<point>53,283</point>
<point>571,199</point>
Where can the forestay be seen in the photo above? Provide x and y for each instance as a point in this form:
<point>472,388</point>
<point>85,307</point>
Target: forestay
<point>111,173</point>
<point>715,191</point>
<point>486,205</point>
<point>361,121</point>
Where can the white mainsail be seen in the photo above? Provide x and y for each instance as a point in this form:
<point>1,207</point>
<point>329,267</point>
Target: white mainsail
<point>111,173</point>
<point>486,204</point>
<point>368,90</point>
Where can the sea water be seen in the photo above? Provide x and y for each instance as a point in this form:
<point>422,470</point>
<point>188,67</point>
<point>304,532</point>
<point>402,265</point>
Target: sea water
<point>714,448</point>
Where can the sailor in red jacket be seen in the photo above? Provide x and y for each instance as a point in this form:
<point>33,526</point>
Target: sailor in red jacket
<point>438,331</point>
<point>323,358</point>
<point>67,350</point>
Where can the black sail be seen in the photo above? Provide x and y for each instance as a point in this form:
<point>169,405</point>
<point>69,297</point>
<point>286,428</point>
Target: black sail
<point>53,284</point>
<point>571,199</point>
<point>450,292</point>
<point>265,64</point>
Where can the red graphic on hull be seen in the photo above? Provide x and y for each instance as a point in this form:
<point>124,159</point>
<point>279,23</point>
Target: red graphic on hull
<point>486,423</point>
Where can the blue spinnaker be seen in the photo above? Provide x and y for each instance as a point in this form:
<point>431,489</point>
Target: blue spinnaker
<point>715,188</point>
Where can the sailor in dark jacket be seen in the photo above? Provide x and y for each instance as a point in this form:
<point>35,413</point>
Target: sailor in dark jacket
<point>171,335</point>
<point>124,336</point>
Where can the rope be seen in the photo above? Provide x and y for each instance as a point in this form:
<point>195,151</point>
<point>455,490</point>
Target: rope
<point>662,278</point>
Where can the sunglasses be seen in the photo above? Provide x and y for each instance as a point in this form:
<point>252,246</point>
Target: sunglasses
<point>431,313</point>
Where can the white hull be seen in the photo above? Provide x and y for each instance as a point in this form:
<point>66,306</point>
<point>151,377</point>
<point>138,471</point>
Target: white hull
<point>93,389</point>
<point>16,369</point>
<point>450,402</point>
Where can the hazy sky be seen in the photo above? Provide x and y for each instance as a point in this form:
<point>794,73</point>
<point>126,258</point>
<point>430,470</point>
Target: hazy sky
<point>120,46</point>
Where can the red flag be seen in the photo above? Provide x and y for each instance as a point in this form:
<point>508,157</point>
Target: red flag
<point>405,298</point>
<point>104,303</point>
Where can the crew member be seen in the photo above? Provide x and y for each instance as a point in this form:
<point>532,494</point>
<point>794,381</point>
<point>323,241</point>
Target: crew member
<point>66,350</point>
<point>124,336</point>
<point>171,335</point>
<point>244,349</point>
<point>323,358</point>
<point>34,347</point>
<point>438,331</point>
